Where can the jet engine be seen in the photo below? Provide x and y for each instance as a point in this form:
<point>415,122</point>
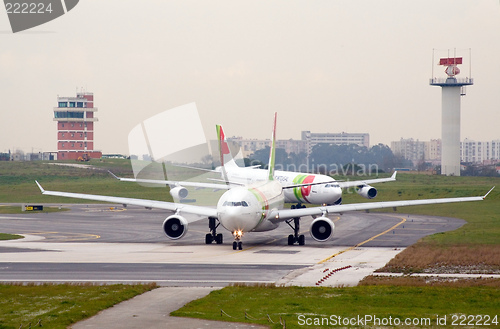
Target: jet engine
<point>179,192</point>
<point>175,227</point>
<point>367,191</point>
<point>322,229</point>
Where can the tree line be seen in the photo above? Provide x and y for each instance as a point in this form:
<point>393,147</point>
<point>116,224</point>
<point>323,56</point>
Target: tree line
<point>334,159</point>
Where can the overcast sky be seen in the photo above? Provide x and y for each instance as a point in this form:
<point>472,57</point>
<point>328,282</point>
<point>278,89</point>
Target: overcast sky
<point>324,66</point>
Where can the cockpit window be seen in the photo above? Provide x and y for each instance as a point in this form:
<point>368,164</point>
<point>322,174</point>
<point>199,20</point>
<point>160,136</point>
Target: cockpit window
<point>235,204</point>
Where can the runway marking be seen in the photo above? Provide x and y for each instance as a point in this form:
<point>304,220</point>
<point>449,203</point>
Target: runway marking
<point>418,229</point>
<point>401,234</point>
<point>77,236</point>
<point>114,209</point>
<point>362,243</point>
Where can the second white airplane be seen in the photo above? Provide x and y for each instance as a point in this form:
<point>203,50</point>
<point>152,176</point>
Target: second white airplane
<point>328,193</point>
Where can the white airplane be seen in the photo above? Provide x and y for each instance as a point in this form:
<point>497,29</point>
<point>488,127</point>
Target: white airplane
<point>255,207</point>
<point>309,188</point>
<point>328,193</point>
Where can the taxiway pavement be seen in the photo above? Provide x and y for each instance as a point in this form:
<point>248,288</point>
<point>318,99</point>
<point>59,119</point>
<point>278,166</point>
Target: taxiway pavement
<point>111,244</point>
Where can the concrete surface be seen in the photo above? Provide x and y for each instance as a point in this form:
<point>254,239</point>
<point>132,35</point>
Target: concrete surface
<point>151,311</point>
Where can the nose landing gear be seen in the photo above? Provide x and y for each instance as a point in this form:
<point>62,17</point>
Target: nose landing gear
<point>237,240</point>
<point>237,245</point>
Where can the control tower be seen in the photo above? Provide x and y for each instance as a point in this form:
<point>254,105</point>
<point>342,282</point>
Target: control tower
<point>452,89</point>
<point>75,127</point>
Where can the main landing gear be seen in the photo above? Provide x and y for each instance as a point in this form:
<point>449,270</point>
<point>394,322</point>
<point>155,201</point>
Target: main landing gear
<point>213,236</point>
<point>295,237</point>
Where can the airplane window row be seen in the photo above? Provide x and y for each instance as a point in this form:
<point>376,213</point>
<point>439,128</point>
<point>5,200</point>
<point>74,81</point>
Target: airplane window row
<point>235,204</point>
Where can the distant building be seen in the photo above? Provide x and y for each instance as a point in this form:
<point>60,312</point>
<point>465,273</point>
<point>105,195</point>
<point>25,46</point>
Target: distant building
<point>249,146</point>
<point>430,151</point>
<point>304,145</point>
<point>418,151</point>
<point>479,152</point>
<point>343,138</point>
<point>433,151</point>
<point>75,127</point>
<point>409,149</point>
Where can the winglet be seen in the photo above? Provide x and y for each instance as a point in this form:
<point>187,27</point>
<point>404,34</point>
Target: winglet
<point>484,197</point>
<point>394,175</point>
<point>40,187</point>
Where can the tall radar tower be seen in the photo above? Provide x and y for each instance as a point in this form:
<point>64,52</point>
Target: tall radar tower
<point>452,89</point>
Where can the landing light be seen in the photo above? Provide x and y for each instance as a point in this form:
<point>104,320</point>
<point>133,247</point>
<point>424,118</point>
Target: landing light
<point>238,234</point>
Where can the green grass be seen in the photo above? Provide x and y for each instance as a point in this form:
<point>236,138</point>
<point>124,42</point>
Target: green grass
<point>58,306</point>
<point>483,217</point>
<point>17,182</point>
<point>381,301</point>
<point>5,236</point>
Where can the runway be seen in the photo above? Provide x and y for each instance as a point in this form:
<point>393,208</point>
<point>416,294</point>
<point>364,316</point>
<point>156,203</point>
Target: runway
<point>110,244</point>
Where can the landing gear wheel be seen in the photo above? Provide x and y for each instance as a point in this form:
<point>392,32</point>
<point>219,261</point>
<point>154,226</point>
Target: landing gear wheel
<point>235,245</point>
<point>297,206</point>
<point>240,245</point>
<point>295,237</point>
<point>302,240</point>
<point>213,236</point>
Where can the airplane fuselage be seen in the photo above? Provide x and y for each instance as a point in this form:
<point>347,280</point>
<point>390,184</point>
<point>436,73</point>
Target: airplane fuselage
<point>329,193</point>
<point>247,209</point>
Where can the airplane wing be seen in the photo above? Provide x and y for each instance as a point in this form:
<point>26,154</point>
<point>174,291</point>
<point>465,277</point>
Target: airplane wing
<point>284,214</point>
<point>175,183</point>
<point>177,207</point>
<point>195,168</point>
<point>367,181</point>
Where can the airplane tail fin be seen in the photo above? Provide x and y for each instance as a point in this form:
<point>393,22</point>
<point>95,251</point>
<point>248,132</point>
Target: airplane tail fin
<point>272,151</point>
<point>224,152</point>
<point>226,158</point>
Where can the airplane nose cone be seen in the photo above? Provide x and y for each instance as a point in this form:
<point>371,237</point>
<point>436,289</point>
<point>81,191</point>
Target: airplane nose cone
<point>236,219</point>
<point>332,196</point>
